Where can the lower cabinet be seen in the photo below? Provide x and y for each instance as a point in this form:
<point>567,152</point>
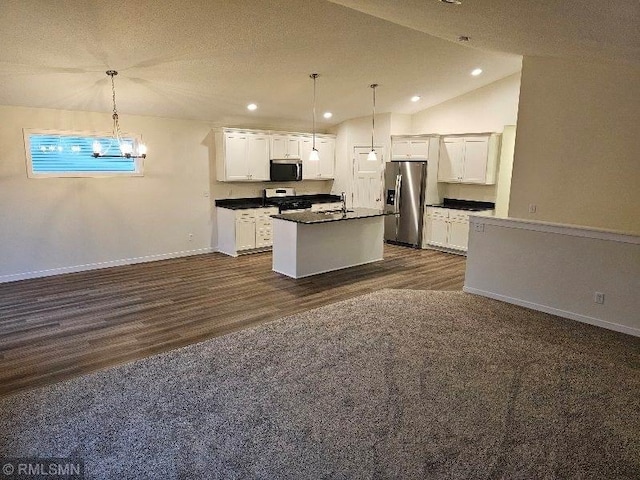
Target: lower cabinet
<point>447,228</point>
<point>245,230</point>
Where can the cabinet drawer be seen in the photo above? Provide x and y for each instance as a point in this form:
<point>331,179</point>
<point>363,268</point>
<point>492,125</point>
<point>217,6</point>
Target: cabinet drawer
<point>245,214</point>
<point>437,212</point>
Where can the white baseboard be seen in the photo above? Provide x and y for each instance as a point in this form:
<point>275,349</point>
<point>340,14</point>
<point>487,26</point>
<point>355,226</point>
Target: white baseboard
<point>555,311</point>
<point>95,266</point>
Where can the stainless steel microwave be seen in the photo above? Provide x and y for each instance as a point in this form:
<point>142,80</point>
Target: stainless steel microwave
<point>286,170</point>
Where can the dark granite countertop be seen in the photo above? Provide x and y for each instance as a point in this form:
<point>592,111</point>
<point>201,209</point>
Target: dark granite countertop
<point>470,205</point>
<point>259,202</point>
<point>324,217</point>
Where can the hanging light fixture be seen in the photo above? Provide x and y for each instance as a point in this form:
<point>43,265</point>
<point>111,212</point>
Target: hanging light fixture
<point>314,156</point>
<point>128,148</point>
<point>372,157</point>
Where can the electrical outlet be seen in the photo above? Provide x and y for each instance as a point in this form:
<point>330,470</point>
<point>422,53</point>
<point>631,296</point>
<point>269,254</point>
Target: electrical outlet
<point>191,237</point>
<point>478,227</point>
<point>598,297</point>
<point>532,208</point>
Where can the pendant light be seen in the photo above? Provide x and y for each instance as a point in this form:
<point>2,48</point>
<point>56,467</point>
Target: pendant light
<point>314,156</point>
<point>372,157</point>
<point>128,149</point>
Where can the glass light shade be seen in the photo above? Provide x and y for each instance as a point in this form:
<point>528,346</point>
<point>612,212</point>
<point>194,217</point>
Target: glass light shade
<point>314,156</point>
<point>126,148</point>
<point>97,148</point>
<point>372,157</point>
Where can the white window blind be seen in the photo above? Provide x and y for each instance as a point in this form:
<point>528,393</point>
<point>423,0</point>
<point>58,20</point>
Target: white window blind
<point>69,154</point>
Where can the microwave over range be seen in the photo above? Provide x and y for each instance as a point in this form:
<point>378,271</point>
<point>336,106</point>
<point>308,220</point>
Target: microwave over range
<point>285,170</point>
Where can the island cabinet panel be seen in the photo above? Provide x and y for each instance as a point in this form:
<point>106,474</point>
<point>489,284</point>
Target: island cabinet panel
<point>242,156</point>
<point>303,249</point>
<point>469,159</point>
<point>324,169</point>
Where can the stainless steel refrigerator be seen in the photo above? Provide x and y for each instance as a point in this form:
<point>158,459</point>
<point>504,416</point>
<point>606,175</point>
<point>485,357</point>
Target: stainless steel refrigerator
<point>405,184</point>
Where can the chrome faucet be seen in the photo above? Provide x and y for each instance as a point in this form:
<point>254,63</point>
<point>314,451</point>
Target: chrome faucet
<point>344,202</point>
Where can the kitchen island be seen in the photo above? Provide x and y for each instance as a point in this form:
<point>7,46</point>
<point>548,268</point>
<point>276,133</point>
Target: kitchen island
<point>309,243</point>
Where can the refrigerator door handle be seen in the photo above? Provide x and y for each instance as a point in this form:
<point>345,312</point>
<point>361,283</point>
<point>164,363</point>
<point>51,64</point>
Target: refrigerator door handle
<point>396,199</point>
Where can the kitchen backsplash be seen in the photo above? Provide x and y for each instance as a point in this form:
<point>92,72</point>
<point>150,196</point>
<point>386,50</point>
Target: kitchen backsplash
<point>248,190</point>
<point>481,193</point>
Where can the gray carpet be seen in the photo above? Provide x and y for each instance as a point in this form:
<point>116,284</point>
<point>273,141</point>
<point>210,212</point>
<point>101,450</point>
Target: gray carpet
<point>395,384</point>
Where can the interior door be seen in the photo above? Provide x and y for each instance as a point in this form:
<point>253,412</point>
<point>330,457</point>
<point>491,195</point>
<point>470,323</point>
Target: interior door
<point>367,178</point>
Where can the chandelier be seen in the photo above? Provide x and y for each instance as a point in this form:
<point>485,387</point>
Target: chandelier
<point>129,148</point>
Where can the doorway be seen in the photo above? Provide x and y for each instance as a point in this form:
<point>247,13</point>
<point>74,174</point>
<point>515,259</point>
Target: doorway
<point>367,178</point>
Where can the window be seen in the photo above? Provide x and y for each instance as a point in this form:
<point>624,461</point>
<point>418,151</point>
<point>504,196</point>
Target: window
<point>70,154</point>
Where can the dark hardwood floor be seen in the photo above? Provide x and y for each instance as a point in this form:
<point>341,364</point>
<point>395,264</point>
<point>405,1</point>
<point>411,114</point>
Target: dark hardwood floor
<point>59,327</point>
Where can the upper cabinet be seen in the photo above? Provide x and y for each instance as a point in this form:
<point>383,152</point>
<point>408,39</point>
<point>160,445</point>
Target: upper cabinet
<point>409,148</point>
<point>242,156</point>
<point>285,146</point>
<point>323,169</point>
<point>469,158</point>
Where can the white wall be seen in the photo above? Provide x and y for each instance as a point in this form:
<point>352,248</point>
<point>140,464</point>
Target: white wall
<point>53,225</point>
<point>578,143</point>
<point>357,133</point>
<point>487,109</point>
<point>557,269</point>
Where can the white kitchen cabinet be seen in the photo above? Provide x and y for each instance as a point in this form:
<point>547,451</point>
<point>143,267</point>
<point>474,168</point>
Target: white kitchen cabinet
<point>458,231</point>
<point>469,159</point>
<point>242,156</point>
<point>448,228</point>
<point>324,169</point>
<point>285,146</point>
<point>409,148</point>
<point>244,230</point>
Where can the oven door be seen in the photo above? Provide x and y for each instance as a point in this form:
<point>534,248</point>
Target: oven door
<point>285,170</point>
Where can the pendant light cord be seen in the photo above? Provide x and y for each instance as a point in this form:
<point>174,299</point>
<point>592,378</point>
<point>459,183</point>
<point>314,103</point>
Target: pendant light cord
<point>373,117</point>
<point>314,76</point>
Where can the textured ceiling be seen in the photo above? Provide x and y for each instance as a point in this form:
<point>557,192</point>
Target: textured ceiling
<point>207,60</point>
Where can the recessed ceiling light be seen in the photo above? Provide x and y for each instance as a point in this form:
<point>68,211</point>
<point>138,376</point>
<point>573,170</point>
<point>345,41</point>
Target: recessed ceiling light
<point>476,71</point>
<point>252,107</point>
<point>415,98</point>
<point>327,115</point>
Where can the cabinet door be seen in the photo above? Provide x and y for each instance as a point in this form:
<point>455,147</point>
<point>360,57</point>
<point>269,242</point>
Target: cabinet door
<point>451,159</point>
<point>245,234</point>
<point>327,150</point>
<point>401,149</point>
<point>279,146</point>
<point>235,151</point>
<point>258,157</point>
<point>475,159</point>
<point>459,234</point>
<point>438,231</point>
<point>293,147</point>
<point>420,149</point>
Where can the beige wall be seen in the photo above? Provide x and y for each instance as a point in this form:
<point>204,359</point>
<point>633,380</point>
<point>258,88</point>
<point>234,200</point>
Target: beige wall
<point>577,153</point>
<point>487,109</point>
<point>51,225</point>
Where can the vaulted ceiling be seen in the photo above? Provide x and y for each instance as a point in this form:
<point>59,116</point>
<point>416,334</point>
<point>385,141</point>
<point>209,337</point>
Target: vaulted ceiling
<point>207,60</point>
